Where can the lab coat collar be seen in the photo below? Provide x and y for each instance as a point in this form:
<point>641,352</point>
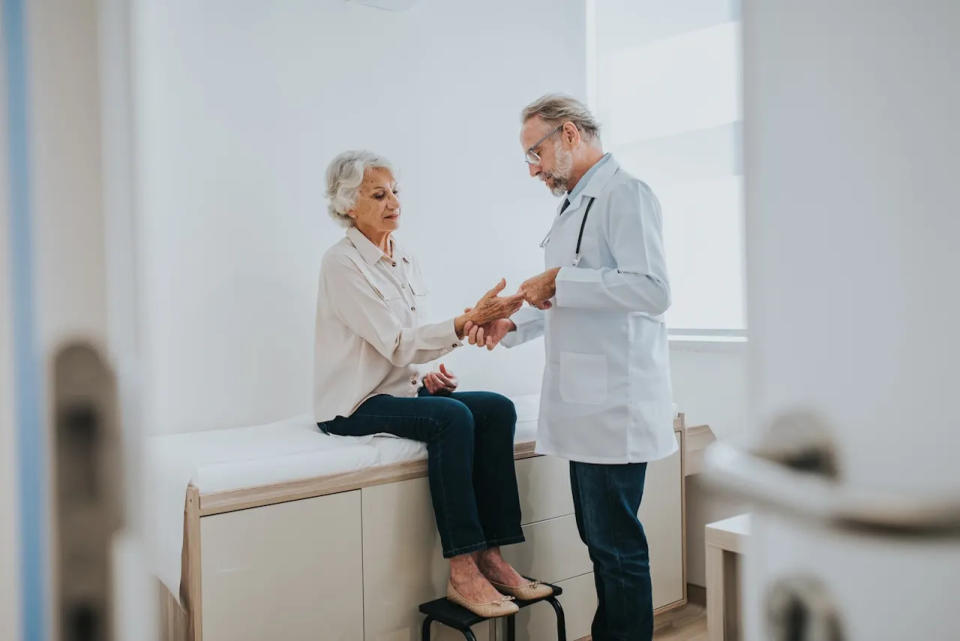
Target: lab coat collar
<point>370,252</point>
<point>596,183</point>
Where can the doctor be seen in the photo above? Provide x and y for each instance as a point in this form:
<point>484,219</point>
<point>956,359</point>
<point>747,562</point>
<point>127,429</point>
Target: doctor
<point>606,402</point>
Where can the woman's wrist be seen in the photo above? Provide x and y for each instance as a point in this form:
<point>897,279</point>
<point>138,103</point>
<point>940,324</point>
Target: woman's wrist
<point>459,323</point>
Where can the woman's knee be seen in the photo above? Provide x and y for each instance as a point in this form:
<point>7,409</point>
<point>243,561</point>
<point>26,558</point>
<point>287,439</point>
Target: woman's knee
<point>500,407</point>
<point>455,419</point>
<point>500,412</point>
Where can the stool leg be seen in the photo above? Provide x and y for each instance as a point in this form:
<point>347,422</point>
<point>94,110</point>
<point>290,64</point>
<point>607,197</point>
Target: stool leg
<point>511,628</point>
<point>468,634</point>
<point>561,620</point>
<point>425,634</point>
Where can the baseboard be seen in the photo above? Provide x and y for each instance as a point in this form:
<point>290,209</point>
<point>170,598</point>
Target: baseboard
<point>696,594</point>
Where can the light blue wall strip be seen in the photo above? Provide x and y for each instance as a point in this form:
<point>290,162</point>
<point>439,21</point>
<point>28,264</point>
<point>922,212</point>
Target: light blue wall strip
<point>32,463</point>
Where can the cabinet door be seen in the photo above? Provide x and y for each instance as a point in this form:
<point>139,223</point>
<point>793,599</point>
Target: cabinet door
<point>661,513</point>
<point>403,564</point>
<point>289,571</point>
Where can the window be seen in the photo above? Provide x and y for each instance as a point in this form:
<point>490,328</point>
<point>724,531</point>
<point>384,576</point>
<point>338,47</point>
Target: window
<point>665,84</point>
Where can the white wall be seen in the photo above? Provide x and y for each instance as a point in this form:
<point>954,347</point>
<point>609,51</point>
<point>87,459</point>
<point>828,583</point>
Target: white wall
<point>241,104</point>
<point>710,387</point>
<point>710,384</point>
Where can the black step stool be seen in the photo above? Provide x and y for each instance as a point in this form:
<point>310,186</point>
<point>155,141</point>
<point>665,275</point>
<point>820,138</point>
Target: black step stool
<point>460,618</point>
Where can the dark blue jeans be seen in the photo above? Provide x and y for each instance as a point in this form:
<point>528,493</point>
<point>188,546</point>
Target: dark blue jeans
<point>469,437</point>
<point>606,499</point>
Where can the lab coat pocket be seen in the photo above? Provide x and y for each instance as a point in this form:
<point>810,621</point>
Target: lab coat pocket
<point>583,378</point>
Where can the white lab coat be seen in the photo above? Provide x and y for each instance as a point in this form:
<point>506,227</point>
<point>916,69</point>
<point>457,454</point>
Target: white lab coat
<point>606,394</point>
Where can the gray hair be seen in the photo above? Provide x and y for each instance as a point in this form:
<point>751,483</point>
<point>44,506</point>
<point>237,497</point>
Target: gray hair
<point>557,108</point>
<point>344,176</point>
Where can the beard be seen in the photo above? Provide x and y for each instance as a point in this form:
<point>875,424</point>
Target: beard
<point>561,175</point>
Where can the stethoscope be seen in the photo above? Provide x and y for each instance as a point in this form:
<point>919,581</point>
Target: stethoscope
<point>583,224</point>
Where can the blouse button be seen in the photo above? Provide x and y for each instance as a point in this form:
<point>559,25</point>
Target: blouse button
<point>413,308</point>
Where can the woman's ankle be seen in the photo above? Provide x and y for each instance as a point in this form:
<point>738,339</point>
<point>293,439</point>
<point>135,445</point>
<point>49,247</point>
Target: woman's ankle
<point>464,566</point>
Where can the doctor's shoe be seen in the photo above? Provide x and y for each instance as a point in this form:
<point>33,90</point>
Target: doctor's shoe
<point>499,608</point>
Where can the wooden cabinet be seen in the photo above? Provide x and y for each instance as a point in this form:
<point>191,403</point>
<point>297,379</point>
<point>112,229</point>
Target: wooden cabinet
<point>355,564</point>
<point>403,564</point>
<point>661,514</point>
<point>289,571</point>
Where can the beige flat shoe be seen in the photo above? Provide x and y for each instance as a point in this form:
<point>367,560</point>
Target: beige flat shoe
<point>528,592</point>
<point>500,608</point>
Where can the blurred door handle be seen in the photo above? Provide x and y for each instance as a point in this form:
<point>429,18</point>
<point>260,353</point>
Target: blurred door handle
<point>795,472</point>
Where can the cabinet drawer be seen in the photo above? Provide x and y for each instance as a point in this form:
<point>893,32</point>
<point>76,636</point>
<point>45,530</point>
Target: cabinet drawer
<point>552,552</point>
<point>544,483</point>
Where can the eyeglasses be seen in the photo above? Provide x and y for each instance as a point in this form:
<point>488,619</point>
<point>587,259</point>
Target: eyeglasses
<point>532,157</point>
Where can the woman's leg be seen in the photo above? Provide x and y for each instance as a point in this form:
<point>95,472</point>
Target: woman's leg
<point>495,481</point>
<point>494,472</point>
<point>447,428</point>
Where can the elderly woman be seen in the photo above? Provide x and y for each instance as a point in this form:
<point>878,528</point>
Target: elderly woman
<point>370,333</point>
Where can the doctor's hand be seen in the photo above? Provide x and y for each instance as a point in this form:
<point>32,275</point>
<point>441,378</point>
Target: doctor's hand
<point>538,290</point>
<point>442,382</point>
<point>490,334</point>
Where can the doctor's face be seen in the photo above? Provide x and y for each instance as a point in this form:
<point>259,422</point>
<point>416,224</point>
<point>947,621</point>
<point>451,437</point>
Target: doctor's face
<point>556,161</point>
<point>377,210</point>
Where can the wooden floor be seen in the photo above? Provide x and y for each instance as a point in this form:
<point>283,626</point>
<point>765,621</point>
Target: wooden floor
<point>688,623</point>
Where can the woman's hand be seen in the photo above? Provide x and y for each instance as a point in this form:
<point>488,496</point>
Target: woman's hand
<point>443,381</point>
<point>492,306</point>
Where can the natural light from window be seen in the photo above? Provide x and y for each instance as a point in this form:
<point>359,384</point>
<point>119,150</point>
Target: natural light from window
<point>666,87</point>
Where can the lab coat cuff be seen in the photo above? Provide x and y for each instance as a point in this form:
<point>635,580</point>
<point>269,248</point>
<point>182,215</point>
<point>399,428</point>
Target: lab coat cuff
<point>529,322</point>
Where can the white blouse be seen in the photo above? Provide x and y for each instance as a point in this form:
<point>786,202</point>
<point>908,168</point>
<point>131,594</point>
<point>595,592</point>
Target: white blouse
<point>369,333</point>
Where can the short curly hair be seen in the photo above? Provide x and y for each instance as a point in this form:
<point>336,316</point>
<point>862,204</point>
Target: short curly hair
<point>344,176</point>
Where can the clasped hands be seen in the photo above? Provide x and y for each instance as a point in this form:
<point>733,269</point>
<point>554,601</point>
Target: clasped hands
<point>489,320</point>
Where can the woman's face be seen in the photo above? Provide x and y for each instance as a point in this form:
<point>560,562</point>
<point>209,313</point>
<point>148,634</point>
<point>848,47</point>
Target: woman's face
<point>377,210</point>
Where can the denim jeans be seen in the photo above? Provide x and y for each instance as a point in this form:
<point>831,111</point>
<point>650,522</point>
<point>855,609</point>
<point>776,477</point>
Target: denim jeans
<point>469,437</point>
<point>606,499</point>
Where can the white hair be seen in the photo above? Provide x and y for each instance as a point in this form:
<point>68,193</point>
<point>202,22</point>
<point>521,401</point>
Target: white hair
<point>555,109</point>
<point>344,176</point>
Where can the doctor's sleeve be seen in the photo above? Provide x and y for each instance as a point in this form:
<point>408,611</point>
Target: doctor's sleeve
<point>632,227</point>
<point>529,322</point>
<point>361,308</point>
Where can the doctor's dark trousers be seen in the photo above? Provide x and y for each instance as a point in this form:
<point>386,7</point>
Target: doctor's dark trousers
<point>606,499</point>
